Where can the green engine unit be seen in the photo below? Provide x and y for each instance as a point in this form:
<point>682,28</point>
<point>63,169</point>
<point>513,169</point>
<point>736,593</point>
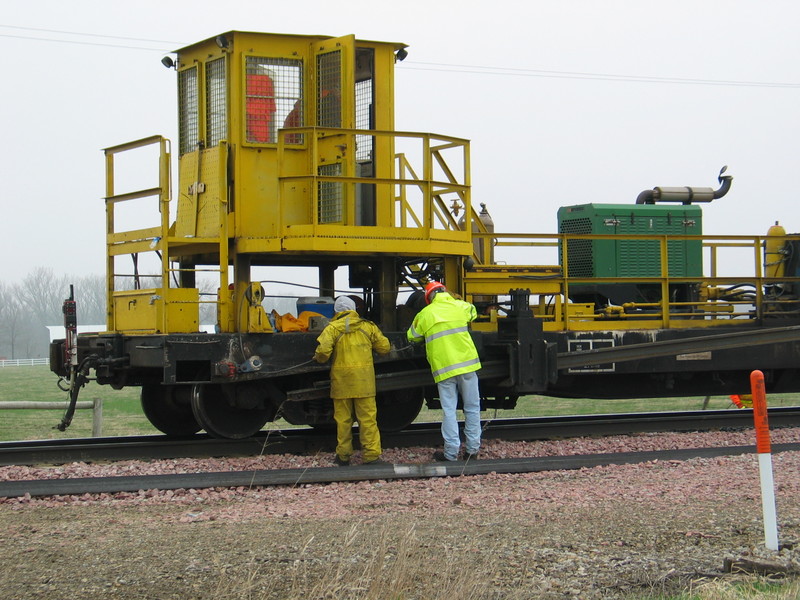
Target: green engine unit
<point>631,257</point>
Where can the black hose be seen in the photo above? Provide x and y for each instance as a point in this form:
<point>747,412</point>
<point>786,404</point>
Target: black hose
<point>81,379</point>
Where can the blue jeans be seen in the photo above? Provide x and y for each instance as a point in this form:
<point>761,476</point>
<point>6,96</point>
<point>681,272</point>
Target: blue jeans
<point>467,385</point>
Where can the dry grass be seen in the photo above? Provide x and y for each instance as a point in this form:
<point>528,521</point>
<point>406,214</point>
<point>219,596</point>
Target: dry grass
<point>759,589</point>
<point>376,563</point>
<point>371,565</point>
<point>734,588</point>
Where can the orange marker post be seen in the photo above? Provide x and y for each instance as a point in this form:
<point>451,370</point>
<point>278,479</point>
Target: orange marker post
<point>764,460</point>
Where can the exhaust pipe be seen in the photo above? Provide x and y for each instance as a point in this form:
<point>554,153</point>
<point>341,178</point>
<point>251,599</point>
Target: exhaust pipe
<point>687,195</point>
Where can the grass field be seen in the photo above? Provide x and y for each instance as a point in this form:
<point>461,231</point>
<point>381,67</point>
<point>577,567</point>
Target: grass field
<point>122,413</point>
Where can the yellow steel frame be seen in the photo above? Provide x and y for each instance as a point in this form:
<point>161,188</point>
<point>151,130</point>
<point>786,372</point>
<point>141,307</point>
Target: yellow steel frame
<point>164,309</point>
<point>552,286</point>
<point>418,191</point>
<point>400,231</point>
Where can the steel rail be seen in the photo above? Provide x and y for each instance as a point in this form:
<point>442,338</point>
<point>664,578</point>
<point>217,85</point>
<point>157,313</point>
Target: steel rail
<point>304,441</point>
<point>723,341</point>
<point>385,382</point>
<point>292,441</point>
<point>293,477</point>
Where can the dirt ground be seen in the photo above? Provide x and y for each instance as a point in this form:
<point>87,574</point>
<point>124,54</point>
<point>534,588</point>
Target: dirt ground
<point>608,532</point>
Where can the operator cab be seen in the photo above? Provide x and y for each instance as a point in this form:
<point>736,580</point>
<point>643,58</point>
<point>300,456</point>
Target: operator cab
<point>287,156</point>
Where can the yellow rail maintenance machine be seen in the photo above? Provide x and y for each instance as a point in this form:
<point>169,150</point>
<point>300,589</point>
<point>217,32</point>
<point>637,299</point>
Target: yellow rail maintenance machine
<point>288,158</point>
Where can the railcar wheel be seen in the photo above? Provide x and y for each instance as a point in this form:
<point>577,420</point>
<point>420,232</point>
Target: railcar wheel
<point>169,409</point>
<point>398,408</point>
<point>232,411</point>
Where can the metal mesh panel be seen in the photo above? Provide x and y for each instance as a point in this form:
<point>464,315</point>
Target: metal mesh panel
<point>188,121</point>
<point>580,259</point>
<point>274,98</point>
<point>364,143</point>
<point>329,77</point>
<point>330,195</point>
<point>216,102</point>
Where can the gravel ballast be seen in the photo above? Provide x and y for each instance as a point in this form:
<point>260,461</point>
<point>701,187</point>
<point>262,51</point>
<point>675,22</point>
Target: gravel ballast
<point>606,532</point>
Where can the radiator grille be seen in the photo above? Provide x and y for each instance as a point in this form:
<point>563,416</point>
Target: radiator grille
<point>580,259</point>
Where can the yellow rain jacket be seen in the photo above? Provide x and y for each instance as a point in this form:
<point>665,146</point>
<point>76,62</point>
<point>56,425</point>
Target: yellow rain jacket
<point>443,324</point>
<point>351,340</point>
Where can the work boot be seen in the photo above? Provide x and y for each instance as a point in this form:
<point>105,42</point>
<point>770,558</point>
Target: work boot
<point>468,456</point>
<point>439,456</point>
<point>377,461</point>
<point>340,462</point>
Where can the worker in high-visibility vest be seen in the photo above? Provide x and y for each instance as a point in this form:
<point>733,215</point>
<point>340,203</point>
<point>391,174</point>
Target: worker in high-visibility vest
<point>351,340</point>
<point>443,326</point>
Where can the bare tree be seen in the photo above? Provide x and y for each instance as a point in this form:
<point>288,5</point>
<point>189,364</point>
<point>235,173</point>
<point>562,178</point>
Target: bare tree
<point>9,320</point>
<point>42,294</point>
<point>90,295</point>
<point>20,335</point>
<point>28,307</point>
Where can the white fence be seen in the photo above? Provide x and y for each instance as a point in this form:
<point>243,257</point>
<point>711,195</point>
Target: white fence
<point>24,362</point>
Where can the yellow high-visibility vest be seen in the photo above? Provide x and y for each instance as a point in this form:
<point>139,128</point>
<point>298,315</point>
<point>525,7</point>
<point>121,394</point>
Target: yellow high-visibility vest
<point>444,327</point>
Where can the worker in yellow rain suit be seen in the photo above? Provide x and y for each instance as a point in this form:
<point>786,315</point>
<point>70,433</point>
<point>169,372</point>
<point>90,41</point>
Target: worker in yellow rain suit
<point>351,340</point>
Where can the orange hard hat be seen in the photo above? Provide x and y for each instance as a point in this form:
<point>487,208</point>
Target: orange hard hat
<point>431,289</point>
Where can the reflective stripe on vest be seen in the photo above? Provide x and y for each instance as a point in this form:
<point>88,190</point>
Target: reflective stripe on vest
<point>445,332</point>
<point>460,365</point>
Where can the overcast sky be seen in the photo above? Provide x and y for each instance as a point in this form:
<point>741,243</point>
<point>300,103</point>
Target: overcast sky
<point>564,102</point>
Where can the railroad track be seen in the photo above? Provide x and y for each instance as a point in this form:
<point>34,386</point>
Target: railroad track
<point>304,441</point>
<point>293,477</point>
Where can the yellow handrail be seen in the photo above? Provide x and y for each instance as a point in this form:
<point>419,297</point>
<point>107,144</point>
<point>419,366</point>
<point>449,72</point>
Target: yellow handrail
<point>733,297</point>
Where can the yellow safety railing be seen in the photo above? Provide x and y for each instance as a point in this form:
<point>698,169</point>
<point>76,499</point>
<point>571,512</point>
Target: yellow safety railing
<point>416,199</point>
<point>730,289</point>
<point>164,307</point>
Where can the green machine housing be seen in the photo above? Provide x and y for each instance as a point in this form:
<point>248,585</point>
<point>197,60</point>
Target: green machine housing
<point>626,258</point>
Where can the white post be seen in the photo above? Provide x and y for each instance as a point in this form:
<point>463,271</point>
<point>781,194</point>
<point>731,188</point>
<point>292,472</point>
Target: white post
<point>764,450</point>
<point>768,501</point>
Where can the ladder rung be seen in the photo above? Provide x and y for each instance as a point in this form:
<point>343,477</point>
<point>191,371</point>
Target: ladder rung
<point>133,195</point>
